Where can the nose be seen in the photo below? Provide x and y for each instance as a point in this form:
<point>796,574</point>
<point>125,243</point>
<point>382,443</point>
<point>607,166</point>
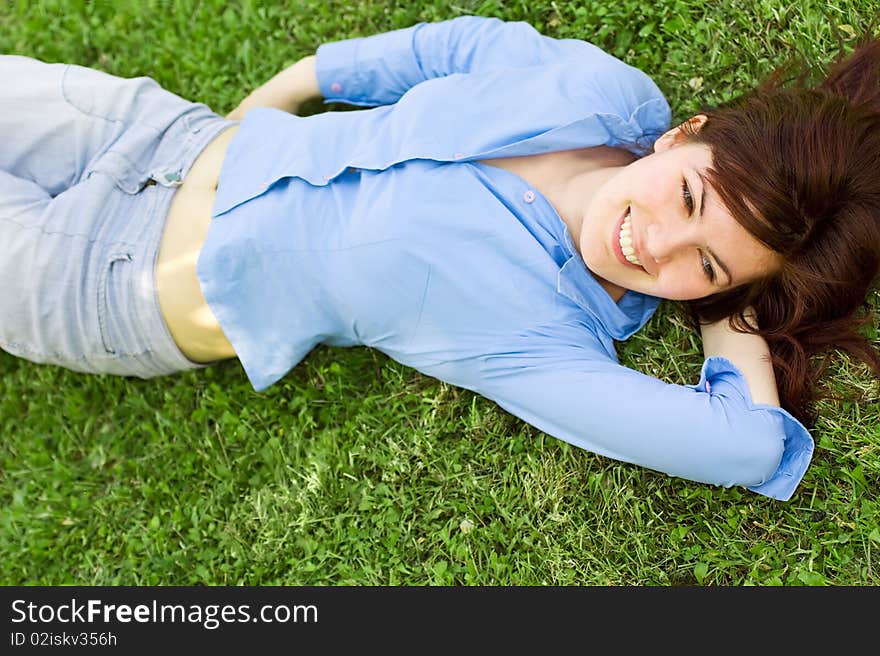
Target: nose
<point>665,239</point>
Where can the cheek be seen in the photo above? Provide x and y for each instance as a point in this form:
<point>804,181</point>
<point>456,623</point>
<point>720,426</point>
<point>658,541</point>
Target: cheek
<point>679,284</point>
<point>651,181</point>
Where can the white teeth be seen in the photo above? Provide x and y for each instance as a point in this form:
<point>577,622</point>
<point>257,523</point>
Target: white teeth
<point>626,240</point>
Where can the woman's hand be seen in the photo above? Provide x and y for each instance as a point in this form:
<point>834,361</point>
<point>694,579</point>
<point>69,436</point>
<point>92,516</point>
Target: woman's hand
<point>287,91</point>
<point>749,353</point>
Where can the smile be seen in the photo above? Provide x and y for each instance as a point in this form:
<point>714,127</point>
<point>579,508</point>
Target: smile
<point>622,224</point>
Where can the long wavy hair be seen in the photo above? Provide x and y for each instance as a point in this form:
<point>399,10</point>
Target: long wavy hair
<point>798,165</point>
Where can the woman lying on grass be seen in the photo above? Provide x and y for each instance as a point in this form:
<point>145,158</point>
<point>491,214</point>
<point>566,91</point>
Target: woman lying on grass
<point>512,205</point>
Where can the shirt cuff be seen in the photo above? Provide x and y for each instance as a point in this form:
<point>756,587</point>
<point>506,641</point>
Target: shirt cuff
<point>719,376</point>
<point>368,71</point>
<point>335,66</point>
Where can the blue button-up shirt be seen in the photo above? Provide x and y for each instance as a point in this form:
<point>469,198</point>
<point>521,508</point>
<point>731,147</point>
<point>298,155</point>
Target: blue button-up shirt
<point>379,227</point>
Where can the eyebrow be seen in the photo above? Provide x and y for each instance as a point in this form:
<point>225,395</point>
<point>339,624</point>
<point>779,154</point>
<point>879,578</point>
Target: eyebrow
<point>709,250</point>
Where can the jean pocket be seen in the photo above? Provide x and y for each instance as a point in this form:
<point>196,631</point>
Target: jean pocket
<point>113,301</point>
<point>125,173</point>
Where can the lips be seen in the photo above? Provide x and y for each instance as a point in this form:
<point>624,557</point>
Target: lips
<point>615,244</point>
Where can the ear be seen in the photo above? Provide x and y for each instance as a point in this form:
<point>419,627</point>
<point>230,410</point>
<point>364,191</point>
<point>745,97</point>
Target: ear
<point>678,135</point>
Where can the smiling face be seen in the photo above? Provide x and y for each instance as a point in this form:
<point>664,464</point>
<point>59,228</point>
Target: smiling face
<point>685,243</point>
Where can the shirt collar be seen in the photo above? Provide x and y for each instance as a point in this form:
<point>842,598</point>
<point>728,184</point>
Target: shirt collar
<point>577,283</point>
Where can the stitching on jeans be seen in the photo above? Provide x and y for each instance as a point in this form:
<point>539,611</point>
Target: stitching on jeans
<point>18,346</point>
<point>103,309</point>
<point>119,176</point>
<point>118,180</point>
<point>70,102</point>
<point>61,232</point>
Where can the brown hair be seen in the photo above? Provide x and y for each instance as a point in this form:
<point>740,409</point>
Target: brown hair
<point>798,166</point>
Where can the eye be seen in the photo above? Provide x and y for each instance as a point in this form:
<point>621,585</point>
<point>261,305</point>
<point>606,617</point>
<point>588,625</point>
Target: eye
<point>686,195</point>
<point>707,267</point>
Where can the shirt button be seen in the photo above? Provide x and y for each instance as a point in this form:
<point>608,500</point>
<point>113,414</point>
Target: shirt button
<point>336,87</point>
<point>529,196</point>
<point>458,155</point>
<point>708,387</point>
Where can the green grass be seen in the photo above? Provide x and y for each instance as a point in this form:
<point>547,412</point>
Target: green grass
<point>356,470</point>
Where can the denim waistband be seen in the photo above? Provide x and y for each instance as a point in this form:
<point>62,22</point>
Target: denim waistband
<point>178,149</point>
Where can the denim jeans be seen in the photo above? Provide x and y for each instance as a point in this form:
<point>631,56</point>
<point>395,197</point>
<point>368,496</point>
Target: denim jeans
<point>89,164</point>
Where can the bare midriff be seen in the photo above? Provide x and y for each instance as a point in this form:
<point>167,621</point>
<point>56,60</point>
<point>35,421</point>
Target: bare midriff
<point>191,322</point>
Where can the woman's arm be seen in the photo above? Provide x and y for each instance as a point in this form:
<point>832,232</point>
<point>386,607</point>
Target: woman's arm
<point>748,352</point>
<point>710,432</point>
<point>287,91</point>
<point>380,68</point>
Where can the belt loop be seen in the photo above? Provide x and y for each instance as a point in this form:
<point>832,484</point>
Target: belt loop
<point>166,179</point>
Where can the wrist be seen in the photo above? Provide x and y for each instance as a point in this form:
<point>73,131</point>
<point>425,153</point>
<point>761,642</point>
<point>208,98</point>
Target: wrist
<point>748,352</point>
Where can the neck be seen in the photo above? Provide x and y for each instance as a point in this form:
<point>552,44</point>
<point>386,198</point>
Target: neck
<point>616,292</point>
<point>575,193</point>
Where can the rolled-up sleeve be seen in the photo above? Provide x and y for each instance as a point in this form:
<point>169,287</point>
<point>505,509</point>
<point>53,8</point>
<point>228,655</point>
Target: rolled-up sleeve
<point>379,69</point>
<point>710,432</point>
<point>721,376</point>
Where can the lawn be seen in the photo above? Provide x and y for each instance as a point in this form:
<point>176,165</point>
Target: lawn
<point>357,470</point>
